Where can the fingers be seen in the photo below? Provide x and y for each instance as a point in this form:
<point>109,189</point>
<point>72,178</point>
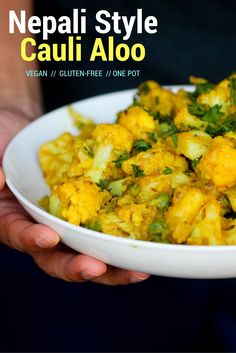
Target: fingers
<point>35,237</point>
<point>20,233</point>
<point>115,276</point>
<point>17,231</point>
<point>69,266</point>
<point>2,179</point>
<point>78,268</point>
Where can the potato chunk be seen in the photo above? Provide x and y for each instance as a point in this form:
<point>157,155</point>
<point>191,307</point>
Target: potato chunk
<point>181,215</point>
<point>193,144</point>
<point>208,230</point>
<point>218,165</point>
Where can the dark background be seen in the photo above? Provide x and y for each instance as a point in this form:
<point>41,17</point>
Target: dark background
<point>38,313</point>
<point>194,37</point>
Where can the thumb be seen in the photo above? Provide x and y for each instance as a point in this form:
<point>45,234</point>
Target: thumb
<point>2,179</point>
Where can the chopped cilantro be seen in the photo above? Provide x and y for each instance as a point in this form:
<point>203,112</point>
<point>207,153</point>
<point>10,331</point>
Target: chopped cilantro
<point>232,86</point>
<point>229,124</point>
<point>201,88</point>
<point>157,100</point>
<point>213,115</point>
<point>204,87</point>
<point>141,145</point>
<point>135,100</point>
<point>153,136</point>
<point>144,88</point>
<point>94,225</point>
<point>213,130</point>
<point>103,183</point>
<point>170,129</point>
<point>175,140</point>
<point>88,152</point>
<point>195,162</point>
<point>167,170</point>
<point>134,189</point>
<point>156,115</point>
<point>137,170</point>
<point>166,119</point>
<point>196,109</point>
<point>123,157</point>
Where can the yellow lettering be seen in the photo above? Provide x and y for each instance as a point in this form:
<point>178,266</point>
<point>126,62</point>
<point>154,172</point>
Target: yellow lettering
<point>44,52</point>
<point>111,48</point>
<point>142,53</point>
<point>24,47</point>
<point>126,50</point>
<point>98,50</point>
<point>56,56</point>
<point>78,50</point>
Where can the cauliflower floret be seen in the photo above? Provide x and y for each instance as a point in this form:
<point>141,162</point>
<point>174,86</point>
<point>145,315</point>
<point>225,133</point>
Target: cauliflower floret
<point>77,200</point>
<point>157,160</point>
<point>113,134</point>
<point>111,140</point>
<point>219,95</point>
<point>193,144</point>
<point>155,98</point>
<point>186,121</point>
<point>133,179</point>
<point>180,217</point>
<point>137,121</point>
<point>207,228</point>
<point>55,157</point>
<point>219,163</point>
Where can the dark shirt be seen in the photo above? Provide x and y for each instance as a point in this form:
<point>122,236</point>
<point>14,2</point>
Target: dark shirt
<point>161,314</point>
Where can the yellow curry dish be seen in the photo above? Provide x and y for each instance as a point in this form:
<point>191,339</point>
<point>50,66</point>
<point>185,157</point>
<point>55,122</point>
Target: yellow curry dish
<point>164,172</point>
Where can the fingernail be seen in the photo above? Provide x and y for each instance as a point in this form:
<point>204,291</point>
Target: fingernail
<point>136,279</point>
<point>89,275</point>
<point>46,241</point>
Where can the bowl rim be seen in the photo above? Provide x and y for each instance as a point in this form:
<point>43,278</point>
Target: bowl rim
<point>91,233</point>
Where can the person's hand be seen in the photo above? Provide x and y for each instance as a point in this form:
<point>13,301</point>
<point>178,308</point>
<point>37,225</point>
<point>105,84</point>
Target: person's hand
<point>20,232</point>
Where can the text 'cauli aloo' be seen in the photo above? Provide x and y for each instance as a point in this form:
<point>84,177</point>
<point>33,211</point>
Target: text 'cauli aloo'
<point>72,50</point>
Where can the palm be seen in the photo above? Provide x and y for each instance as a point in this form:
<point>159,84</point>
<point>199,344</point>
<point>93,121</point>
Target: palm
<point>19,231</point>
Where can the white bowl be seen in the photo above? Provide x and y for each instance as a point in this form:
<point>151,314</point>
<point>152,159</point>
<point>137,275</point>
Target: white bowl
<point>24,178</point>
